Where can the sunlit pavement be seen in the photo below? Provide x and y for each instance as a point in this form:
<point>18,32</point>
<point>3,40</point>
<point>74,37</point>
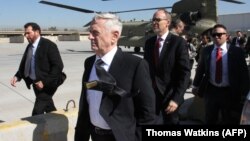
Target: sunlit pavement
<point>18,102</point>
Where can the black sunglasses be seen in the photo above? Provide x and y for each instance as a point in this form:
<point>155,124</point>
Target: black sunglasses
<point>218,34</point>
<point>157,19</point>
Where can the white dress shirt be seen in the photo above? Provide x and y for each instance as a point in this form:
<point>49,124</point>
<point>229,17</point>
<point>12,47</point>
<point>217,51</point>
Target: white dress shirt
<point>94,97</point>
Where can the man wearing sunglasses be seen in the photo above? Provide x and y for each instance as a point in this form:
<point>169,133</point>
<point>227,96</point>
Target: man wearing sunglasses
<point>168,60</point>
<point>222,79</point>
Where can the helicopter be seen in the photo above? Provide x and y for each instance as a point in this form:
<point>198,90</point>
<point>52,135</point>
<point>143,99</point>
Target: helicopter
<point>198,17</point>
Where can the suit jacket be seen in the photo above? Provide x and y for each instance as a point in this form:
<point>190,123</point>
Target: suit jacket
<point>234,40</point>
<point>237,71</point>
<point>238,41</point>
<point>121,113</point>
<point>173,72</point>
<point>48,64</point>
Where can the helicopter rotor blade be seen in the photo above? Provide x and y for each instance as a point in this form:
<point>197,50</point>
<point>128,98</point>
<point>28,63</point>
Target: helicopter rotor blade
<point>141,9</point>
<point>91,11</point>
<point>67,7</point>
<point>234,1</point>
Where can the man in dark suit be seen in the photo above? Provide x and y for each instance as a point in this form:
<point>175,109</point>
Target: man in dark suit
<point>223,75</point>
<point>111,116</point>
<point>169,67</point>
<point>41,67</point>
<point>236,40</point>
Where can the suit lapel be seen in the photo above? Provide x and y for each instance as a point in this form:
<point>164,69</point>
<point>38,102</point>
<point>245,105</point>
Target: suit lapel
<point>229,58</point>
<point>116,64</point>
<point>109,104</point>
<point>152,47</point>
<point>208,58</point>
<point>89,65</point>
<point>41,42</point>
<point>40,48</point>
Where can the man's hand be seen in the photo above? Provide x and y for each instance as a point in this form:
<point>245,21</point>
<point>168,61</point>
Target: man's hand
<point>13,81</point>
<point>39,85</point>
<point>172,106</point>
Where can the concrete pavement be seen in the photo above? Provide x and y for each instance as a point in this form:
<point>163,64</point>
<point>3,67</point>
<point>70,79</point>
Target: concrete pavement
<point>17,102</point>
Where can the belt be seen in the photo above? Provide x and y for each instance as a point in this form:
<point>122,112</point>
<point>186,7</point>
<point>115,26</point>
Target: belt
<point>100,131</point>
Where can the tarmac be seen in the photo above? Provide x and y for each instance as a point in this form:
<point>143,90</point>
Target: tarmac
<point>17,102</point>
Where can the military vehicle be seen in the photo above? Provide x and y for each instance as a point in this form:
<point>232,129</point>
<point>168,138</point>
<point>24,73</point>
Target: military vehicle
<point>198,16</point>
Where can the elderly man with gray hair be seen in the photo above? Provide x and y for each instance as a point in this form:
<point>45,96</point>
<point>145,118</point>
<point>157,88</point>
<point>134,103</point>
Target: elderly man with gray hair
<point>117,95</point>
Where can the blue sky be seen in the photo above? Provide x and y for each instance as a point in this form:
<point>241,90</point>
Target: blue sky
<point>15,13</point>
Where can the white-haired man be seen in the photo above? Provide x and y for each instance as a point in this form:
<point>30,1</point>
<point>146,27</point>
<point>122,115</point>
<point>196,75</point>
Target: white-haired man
<point>107,115</point>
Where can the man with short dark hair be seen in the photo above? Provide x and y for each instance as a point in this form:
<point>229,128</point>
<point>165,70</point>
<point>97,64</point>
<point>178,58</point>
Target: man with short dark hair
<point>236,40</point>
<point>222,79</point>
<point>41,67</point>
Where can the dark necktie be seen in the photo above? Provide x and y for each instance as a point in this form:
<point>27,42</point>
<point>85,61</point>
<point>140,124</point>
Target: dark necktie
<point>102,74</point>
<point>28,61</point>
<point>156,52</point>
<point>218,72</point>
<point>107,83</point>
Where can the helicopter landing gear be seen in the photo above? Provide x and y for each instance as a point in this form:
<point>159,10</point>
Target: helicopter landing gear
<point>137,49</point>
